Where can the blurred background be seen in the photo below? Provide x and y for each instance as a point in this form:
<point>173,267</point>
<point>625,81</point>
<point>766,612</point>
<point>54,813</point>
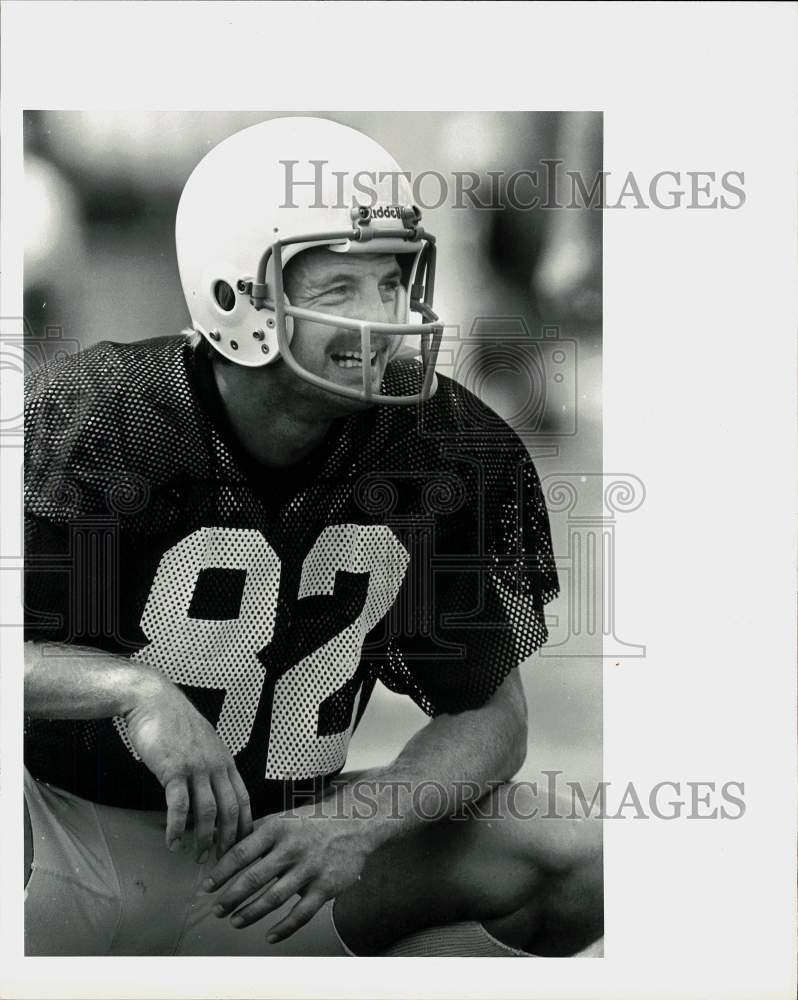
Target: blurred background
<point>519,289</point>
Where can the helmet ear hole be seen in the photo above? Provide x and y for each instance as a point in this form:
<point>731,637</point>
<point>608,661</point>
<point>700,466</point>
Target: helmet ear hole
<point>224,295</point>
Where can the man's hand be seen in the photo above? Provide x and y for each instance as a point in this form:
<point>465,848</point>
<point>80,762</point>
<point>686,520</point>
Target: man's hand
<point>174,741</point>
<point>301,852</point>
<point>194,766</point>
<point>319,856</point>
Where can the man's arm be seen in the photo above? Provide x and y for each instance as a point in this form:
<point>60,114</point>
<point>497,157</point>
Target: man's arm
<point>78,682</point>
<point>457,757</point>
<point>173,739</point>
<point>320,853</point>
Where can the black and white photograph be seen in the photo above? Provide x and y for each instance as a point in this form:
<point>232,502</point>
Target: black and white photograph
<point>398,561</point>
<point>289,560</point>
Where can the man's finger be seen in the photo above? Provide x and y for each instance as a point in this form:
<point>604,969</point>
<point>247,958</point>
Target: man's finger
<point>226,812</point>
<point>303,911</point>
<point>238,857</point>
<point>253,880</point>
<point>203,808</point>
<point>176,811</point>
<point>272,899</point>
<point>244,808</point>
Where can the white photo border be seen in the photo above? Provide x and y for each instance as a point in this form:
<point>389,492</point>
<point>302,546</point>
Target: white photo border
<point>699,402</point>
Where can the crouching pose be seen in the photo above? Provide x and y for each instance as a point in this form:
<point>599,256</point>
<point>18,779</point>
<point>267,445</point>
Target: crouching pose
<point>232,535</point>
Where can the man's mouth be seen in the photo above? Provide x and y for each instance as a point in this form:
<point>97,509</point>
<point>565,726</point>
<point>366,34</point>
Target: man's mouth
<point>352,359</point>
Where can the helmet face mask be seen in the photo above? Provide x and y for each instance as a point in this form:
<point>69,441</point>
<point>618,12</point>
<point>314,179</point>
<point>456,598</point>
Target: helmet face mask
<point>236,297</point>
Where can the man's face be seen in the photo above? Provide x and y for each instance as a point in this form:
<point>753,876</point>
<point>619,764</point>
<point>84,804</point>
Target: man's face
<point>359,286</point>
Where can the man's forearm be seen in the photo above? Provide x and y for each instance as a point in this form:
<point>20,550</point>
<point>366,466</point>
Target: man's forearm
<point>77,682</point>
<point>453,760</point>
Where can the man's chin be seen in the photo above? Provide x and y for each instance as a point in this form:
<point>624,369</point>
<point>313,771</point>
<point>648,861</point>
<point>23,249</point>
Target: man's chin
<point>338,405</point>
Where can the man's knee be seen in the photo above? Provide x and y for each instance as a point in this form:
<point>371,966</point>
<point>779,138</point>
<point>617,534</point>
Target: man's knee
<point>564,910</point>
<point>541,827</point>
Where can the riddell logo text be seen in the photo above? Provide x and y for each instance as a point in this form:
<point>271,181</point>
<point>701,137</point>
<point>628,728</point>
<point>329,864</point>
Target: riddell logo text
<point>386,212</point>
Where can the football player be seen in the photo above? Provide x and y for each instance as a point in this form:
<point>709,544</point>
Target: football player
<point>231,535</point>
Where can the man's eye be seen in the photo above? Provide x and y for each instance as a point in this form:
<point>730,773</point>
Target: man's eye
<point>390,289</point>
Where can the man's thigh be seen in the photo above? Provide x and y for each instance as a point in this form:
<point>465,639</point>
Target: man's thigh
<point>103,883</point>
<point>495,851</point>
<point>72,897</point>
<point>513,851</point>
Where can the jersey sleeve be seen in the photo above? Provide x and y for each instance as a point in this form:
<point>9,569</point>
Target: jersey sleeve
<point>109,435</point>
<point>482,591</point>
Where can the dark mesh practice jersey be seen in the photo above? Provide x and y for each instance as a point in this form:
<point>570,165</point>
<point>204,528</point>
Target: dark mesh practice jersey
<point>412,547</point>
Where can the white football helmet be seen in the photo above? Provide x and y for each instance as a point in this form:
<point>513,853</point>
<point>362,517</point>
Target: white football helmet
<point>273,190</point>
